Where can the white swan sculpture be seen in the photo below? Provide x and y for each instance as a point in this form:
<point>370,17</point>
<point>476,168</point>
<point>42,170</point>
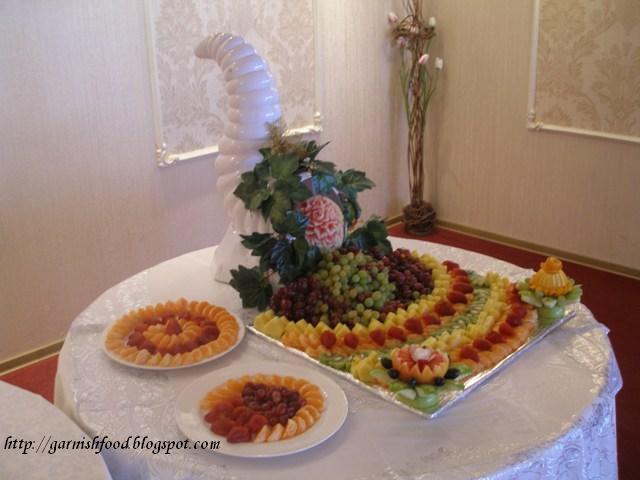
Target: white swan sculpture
<point>253,102</point>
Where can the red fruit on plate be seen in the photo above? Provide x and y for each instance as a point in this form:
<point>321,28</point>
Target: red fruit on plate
<point>211,416</point>
<point>241,414</point>
<point>239,434</point>
<point>223,407</point>
<point>444,308</point>
<point>514,320</point>
<point>414,325</point>
<point>450,265</point>
<point>519,311</point>
<point>237,401</point>
<point>148,346</point>
<point>350,340</point>
<point>141,327</point>
<point>397,333</point>
<point>461,279</point>
<point>457,297</point>
<point>190,345</point>
<point>430,319</point>
<point>256,422</point>
<point>211,332</point>
<point>506,330</point>
<point>328,338</point>
<point>136,339</point>
<point>462,287</point>
<point>172,327</point>
<point>377,336</point>
<point>222,426</point>
<point>458,272</point>
<point>482,344</point>
<point>495,337</point>
<point>470,353</point>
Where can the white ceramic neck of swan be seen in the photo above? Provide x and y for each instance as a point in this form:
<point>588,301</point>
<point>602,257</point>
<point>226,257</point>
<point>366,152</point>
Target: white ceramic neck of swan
<point>253,102</point>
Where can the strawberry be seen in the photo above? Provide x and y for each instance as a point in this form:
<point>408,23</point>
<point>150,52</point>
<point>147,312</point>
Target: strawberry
<point>377,336</point>
<point>256,422</point>
<point>222,426</point>
<point>457,297</point>
<point>430,319</point>
<point>397,333</point>
<point>495,337</point>
<point>469,352</point>
<point>506,330</point>
<point>444,308</point>
<point>350,340</point>
<point>328,338</point>
<point>482,344</point>
<point>462,287</point>
<point>239,434</point>
<point>414,325</point>
<point>449,265</point>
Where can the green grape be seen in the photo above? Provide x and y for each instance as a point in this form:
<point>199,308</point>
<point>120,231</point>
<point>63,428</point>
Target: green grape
<point>355,278</point>
<point>360,308</point>
<point>368,302</point>
<point>376,295</point>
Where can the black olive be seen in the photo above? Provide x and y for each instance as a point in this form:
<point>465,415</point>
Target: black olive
<point>452,373</point>
<point>412,382</point>
<point>386,362</point>
<point>393,373</point>
<point>439,381</point>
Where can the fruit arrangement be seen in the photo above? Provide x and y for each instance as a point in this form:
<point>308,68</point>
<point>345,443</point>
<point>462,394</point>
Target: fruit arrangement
<point>262,408</point>
<point>172,334</point>
<point>406,323</point>
<point>550,290</point>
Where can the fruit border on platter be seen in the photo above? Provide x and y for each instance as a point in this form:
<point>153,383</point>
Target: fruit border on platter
<point>172,335</point>
<point>425,350</point>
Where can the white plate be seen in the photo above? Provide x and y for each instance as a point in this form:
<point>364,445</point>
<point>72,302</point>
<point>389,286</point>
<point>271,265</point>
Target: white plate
<point>192,424</point>
<point>121,361</point>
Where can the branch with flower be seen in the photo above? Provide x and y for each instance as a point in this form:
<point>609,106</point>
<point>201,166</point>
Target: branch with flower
<point>413,36</point>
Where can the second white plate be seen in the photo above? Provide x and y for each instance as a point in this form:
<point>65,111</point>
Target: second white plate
<point>191,420</point>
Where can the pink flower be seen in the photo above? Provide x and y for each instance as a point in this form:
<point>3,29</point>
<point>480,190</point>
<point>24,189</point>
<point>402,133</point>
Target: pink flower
<point>392,17</point>
<point>325,229</point>
<point>424,59</point>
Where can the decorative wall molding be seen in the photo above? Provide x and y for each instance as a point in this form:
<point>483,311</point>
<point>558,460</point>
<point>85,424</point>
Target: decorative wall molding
<point>599,102</point>
<point>187,94</point>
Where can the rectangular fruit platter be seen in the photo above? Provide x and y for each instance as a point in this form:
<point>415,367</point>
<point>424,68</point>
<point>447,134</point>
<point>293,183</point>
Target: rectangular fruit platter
<point>423,347</point>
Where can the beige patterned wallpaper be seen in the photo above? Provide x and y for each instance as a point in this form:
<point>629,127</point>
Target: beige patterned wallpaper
<point>588,73</point>
<point>190,92</point>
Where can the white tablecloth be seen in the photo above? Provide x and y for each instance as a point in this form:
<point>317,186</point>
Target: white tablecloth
<point>40,426</point>
<point>551,414</point>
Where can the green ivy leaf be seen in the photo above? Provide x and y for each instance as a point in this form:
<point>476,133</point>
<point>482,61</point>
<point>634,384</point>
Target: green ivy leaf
<point>356,180</point>
<point>254,288</point>
<point>312,259</point>
<point>373,234</point>
<point>323,183</point>
<point>262,170</point>
<point>281,205</point>
<point>283,258</point>
<point>283,166</point>
<point>293,188</point>
<point>300,247</point>
<point>257,197</point>
<point>325,167</point>
<point>294,224</point>
<point>258,243</point>
<point>313,149</point>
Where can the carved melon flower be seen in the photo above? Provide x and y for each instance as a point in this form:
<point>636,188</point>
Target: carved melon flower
<point>325,229</point>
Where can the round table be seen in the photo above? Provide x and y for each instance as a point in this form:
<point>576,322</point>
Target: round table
<point>32,430</point>
<point>550,414</point>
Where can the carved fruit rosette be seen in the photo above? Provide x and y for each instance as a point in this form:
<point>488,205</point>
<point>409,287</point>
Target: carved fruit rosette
<point>253,102</point>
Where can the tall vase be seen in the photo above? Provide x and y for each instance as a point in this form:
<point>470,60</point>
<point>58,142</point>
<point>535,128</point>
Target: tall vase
<point>253,102</point>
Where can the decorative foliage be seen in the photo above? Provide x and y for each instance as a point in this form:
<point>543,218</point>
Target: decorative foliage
<point>413,35</point>
<point>311,206</point>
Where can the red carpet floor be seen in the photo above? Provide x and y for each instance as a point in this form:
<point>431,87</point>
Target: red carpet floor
<point>612,299</point>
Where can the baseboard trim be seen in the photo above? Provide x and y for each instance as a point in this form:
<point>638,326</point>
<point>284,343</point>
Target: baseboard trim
<point>529,246</point>
<point>32,356</point>
<point>542,249</point>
